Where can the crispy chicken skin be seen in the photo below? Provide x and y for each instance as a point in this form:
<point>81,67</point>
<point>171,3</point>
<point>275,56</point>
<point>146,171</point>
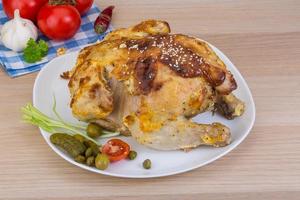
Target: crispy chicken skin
<point>147,82</point>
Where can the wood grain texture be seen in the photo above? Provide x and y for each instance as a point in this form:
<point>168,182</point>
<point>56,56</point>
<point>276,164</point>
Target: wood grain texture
<point>261,37</point>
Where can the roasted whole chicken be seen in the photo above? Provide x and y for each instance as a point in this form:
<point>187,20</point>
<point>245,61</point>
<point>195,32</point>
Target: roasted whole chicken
<point>145,82</point>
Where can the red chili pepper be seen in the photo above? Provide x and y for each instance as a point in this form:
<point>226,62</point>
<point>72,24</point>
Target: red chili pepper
<point>103,20</point>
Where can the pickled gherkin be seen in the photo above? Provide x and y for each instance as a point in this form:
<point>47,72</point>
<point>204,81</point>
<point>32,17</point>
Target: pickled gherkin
<point>88,144</point>
<point>92,145</point>
<point>68,143</point>
<point>90,161</point>
<point>80,159</point>
<point>80,138</point>
<point>88,152</point>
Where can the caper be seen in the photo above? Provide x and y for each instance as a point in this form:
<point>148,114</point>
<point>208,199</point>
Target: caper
<point>80,159</point>
<point>93,130</point>
<point>132,155</point>
<point>88,152</point>
<point>80,138</point>
<point>147,164</point>
<point>102,161</point>
<point>90,161</point>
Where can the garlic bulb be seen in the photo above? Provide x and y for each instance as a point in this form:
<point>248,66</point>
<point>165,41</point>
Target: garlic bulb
<point>16,32</point>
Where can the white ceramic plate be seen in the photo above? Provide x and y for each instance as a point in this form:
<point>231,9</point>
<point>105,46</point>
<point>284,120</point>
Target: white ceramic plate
<point>164,163</point>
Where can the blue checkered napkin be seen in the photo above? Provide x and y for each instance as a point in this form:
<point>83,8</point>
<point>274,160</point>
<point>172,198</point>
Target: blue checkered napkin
<point>14,64</point>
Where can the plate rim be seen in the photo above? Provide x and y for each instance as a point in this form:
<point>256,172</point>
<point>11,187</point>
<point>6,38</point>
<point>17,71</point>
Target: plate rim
<point>91,169</point>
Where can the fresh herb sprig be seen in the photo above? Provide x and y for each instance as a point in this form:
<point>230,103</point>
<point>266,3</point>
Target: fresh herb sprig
<point>35,51</point>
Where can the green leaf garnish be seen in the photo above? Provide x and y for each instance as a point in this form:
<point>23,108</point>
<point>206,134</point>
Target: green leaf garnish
<point>35,51</point>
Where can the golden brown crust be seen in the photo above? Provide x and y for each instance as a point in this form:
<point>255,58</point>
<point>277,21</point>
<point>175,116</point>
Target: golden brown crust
<point>229,106</point>
<point>65,75</point>
<point>152,27</point>
<point>184,55</point>
<point>145,28</point>
<point>145,72</point>
<point>176,74</point>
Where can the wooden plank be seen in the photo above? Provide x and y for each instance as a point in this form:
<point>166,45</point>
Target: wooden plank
<point>261,37</point>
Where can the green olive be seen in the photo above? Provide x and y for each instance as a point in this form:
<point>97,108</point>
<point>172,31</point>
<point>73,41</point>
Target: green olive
<point>88,152</point>
<point>102,161</point>
<point>147,164</point>
<point>90,161</point>
<point>94,130</point>
<point>132,155</point>
<point>80,159</point>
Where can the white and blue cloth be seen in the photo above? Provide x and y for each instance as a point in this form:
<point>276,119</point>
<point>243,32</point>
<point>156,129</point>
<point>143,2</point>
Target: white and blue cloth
<point>14,64</point>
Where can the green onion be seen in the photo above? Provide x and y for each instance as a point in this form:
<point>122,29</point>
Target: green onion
<point>35,117</point>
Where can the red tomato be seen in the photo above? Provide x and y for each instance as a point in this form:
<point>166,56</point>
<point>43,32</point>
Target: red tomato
<point>116,150</point>
<point>28,8</point>
<point>59,22</point>
<point>83,6</point>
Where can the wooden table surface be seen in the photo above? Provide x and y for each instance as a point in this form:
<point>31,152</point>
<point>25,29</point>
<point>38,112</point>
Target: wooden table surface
<point>261,37</point>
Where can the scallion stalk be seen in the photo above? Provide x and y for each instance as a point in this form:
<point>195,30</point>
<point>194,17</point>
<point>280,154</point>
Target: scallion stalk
<point>35,117</point>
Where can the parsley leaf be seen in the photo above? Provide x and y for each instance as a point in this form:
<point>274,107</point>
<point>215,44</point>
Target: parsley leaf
<point>35,51</point>
<point>43,47</point>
